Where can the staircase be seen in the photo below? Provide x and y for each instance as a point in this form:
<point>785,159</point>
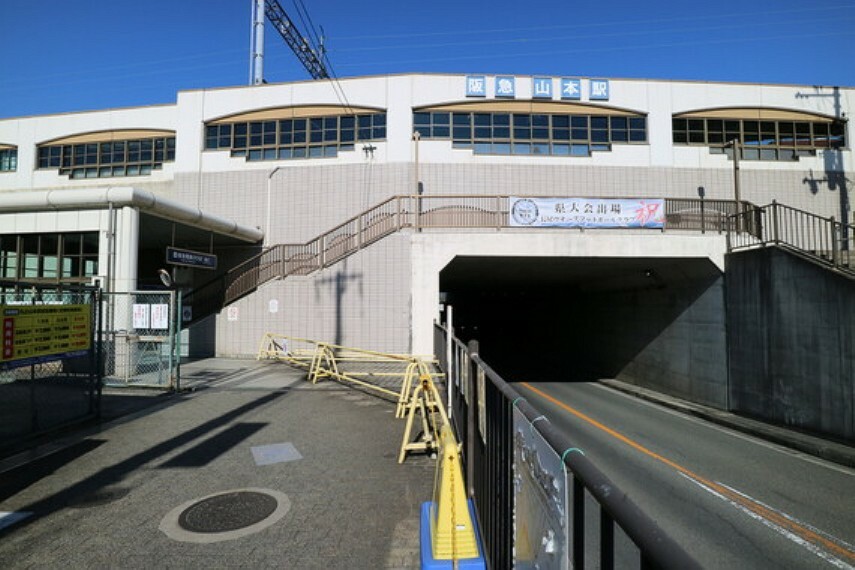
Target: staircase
<point>821,240</point>
<point>406,212</point>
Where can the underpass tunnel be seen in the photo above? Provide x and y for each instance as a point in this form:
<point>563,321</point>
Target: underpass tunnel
<point>156,234</point>
<point>657,322</point>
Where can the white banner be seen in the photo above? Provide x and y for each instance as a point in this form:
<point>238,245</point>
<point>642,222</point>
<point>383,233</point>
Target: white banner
<point>587,212</point>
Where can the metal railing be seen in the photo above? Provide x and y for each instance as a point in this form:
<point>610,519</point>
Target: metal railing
<point>823,240</point>
<point>414,212</point>
<point>487,414</point>
<point>697,214</point>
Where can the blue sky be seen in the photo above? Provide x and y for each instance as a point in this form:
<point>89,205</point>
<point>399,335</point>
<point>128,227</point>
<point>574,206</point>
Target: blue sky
<point>60,55</point>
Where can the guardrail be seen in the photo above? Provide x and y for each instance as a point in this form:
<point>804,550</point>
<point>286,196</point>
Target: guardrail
<point>494,424</point>
<point>818,238</point>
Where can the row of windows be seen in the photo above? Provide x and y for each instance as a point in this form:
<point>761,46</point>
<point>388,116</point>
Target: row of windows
<point>67,257</point>
<point>116,158</point>
<point>517,133</point>
<point>761,140</point>
<point>295,138</point>
<point>8,159</point>
<point>483,133</point>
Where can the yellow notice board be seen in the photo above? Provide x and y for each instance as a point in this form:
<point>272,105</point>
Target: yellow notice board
<point>39,333</point>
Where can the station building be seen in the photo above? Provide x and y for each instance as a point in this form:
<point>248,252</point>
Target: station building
<point>233,172</point>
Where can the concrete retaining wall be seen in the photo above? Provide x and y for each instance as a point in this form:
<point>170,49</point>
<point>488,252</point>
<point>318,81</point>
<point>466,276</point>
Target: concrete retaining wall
<point>669,336</point>
<point>791,327</point>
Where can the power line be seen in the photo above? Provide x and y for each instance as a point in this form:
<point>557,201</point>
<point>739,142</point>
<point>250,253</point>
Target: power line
<point>600,49</point>
<point>751,25</point>
<point>608,23</point>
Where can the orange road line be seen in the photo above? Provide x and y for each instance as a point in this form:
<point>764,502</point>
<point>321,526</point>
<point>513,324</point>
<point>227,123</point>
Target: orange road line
<point>753,506</point>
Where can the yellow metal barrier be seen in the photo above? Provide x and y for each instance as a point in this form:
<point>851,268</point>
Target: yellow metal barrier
<point>324,360</point>
<point>451,527</point>
<point>426,400</point>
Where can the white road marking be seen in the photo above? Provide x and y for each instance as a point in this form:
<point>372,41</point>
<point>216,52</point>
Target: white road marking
<point>769,524</point>
<point>10,518</point>
<point>792,519</point>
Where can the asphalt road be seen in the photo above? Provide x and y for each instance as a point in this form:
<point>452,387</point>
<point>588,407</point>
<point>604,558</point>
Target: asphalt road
<point>730,500</point>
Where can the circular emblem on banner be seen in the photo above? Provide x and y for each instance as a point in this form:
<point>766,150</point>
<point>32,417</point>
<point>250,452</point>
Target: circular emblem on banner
<point>524,212</point>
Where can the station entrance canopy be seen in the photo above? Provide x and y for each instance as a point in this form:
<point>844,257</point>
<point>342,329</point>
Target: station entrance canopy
<point>225,230</point>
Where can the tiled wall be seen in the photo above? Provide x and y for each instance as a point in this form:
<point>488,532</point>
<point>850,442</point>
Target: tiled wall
<point>363,301</point>
<point>375,307</point>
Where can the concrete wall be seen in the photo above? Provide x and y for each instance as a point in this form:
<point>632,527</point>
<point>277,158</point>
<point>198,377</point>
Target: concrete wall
<point>433,252</point>
<point>668,336</point>
<point>791,327</point>
<point>363,301</point>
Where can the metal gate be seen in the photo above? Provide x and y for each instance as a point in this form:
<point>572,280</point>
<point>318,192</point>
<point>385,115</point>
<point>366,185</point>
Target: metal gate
<point>48,362</point>
<point>140,339</point>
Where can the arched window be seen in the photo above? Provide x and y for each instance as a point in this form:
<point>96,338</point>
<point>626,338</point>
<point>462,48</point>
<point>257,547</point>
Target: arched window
<point>108,154</point>
<point>530,127</point>
<point>763,134</point>
<point>295,132</point>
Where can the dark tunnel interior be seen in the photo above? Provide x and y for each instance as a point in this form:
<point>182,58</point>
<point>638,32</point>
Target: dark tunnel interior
<point>651,320</point>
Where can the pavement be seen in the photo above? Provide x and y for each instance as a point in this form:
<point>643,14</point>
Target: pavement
<point>249,467</point>
<point>800,441</point>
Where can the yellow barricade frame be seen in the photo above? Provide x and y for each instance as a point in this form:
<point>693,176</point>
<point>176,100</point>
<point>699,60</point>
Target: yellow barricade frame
<point>452,529</point>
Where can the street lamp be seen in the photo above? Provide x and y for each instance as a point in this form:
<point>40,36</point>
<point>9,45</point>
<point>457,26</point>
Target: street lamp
<point>416,137</point>
<point>735,145</point>
<point>736,149</point>
<point>267,232</point>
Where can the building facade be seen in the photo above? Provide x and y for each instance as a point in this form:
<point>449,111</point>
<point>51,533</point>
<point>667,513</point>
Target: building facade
<point>102,194</point>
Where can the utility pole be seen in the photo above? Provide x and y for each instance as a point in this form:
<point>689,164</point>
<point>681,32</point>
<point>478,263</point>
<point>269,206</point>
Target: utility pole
<point>256,64</point>
<point>735,144</point>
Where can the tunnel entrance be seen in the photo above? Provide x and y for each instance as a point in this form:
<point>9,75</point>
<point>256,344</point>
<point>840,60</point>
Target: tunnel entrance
<point>646,320</point>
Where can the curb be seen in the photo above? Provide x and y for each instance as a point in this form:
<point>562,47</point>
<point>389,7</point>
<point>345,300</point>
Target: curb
<point>812,445</point>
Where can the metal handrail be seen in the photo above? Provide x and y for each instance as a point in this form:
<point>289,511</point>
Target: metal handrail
<point>820,239</point>
<point>435,211</point>
<point>487,458</point>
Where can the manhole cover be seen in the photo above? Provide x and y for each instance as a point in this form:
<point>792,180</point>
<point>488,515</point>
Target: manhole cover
<point>227,512</point>
<point>227,515</point>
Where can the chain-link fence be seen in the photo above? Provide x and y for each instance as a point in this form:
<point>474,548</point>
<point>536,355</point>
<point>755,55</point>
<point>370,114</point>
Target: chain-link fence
<point>140,339</point>
<point>48,372</point>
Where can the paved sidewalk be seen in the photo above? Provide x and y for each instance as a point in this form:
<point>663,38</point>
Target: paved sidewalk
<point>806,443</point>
<point>320,460</point>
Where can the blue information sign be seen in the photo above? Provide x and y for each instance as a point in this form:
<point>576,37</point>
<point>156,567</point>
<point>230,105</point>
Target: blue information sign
<point>571,88</point>
<point>505,86</point>
<point>541,87</point>
<point>599,89</point>
<point>189,258</point>
<point>476,86</point>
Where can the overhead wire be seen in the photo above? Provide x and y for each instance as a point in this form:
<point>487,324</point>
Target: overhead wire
<point>603,24</point>
<point>601,49</point>
<point>320,51</point>
<point>645,32</point>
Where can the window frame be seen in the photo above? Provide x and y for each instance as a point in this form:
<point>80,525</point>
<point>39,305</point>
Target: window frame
<point>322,136</point>
<point>530,134</point>
<point>98,159</point>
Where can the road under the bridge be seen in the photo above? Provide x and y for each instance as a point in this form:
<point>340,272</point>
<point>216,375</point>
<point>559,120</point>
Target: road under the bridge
<point>731,500</point>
